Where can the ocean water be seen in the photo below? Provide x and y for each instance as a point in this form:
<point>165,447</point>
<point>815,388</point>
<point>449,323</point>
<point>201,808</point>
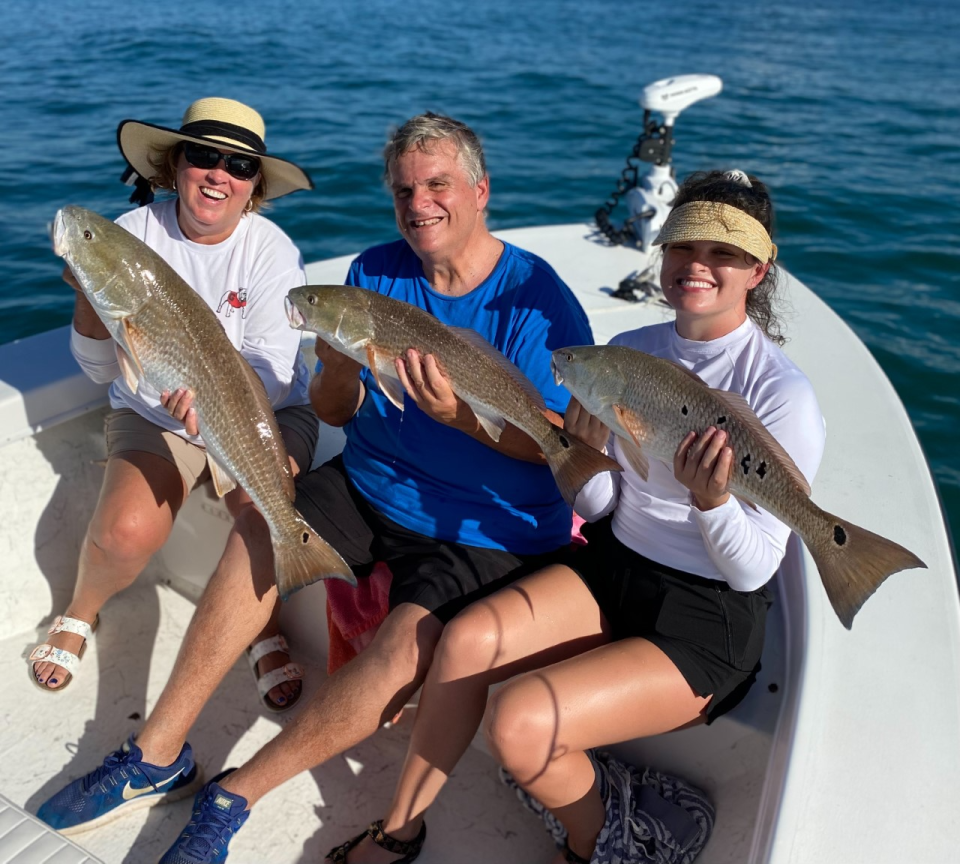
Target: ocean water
<point>848,109</point>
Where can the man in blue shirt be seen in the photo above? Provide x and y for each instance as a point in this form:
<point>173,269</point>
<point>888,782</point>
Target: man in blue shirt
<point>454,514</point>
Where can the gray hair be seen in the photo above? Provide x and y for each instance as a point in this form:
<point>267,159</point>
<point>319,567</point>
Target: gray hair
<point>419,130</point>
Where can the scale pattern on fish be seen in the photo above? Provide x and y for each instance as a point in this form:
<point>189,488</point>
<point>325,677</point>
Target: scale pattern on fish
<point>652,404</point>
<point>170,338</point>
<point>375,330</point>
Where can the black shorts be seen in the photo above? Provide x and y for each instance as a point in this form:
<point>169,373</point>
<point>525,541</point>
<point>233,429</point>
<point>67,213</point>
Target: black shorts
<point>442,577</point>
<point>712,633</point>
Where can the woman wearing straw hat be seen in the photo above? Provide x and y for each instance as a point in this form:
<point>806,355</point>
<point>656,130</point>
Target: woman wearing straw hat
<point>211,233</point>
<point>658,622</point>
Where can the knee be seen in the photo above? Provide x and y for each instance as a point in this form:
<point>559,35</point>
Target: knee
<point>404,647</point>
<point>127,534</point>
<point>470,645</point>
<point>521,725</point>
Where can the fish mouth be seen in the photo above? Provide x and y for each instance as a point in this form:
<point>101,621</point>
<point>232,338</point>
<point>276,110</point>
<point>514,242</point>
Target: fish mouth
<point>557,377</point>
<point>293,314</point>
<point>58,233</point>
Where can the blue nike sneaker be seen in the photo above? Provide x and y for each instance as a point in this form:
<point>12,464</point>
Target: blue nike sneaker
<point>217,816</point>
<point>124,782</point>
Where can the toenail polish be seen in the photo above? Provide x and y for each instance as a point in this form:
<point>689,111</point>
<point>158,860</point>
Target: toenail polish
<point>281,700</point>
<point>52,681</point>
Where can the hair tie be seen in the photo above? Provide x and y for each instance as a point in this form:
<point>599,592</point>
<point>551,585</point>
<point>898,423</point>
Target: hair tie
<point>738,176</point>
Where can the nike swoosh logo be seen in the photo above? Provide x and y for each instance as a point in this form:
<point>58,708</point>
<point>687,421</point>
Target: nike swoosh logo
<point>129,793</point>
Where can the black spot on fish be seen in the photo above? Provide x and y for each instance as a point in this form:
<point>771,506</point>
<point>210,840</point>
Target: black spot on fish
<point>564,442</point>
<point>304,538</point>
<point>684,411</point>
<point>773,688</point>
<point>839,535</point>
<point>721,420</point>
<point>762,470</point>
<point>745,464</point>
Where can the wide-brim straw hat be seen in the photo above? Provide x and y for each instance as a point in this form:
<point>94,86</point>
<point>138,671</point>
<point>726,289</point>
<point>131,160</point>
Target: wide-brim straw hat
<point>223,123</point>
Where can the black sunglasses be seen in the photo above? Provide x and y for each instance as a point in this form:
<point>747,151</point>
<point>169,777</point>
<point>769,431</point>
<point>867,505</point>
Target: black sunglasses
<point>235,164</point>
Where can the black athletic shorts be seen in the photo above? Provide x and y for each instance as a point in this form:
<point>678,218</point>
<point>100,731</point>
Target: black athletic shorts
<point>442,577</point>
<point>712,633</point>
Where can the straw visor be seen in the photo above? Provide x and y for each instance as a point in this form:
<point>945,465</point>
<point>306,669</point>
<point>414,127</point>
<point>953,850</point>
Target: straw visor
<point>222,123</point>
<point>710,220</point>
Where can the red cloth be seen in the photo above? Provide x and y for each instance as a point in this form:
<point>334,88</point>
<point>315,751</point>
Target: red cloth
<point>355,614</point>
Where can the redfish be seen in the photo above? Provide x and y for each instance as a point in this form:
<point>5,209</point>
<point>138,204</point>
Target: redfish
<point>652,404</point>
<point>375,330</point>
<point>170,338</point>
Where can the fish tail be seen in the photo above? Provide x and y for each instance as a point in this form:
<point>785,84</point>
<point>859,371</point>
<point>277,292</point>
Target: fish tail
<point>306,558</point>
<point>573,463</point>
<point>854,562</point>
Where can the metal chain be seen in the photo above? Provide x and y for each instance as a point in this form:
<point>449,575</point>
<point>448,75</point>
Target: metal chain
<point>626,182</point>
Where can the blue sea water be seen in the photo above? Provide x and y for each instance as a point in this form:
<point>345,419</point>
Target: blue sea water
<point>848,109</point>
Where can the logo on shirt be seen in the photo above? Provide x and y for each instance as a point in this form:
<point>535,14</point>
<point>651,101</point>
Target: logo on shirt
<point>234,300</point>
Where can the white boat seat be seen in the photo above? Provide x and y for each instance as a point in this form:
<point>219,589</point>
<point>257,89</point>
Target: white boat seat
<point>24,839</point>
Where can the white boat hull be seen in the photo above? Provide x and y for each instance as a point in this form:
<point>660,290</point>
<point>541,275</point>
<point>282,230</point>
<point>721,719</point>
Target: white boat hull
<point>847,749</point>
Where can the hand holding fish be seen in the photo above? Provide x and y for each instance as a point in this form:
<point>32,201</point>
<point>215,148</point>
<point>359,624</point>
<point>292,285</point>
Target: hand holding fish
<point>431,392</point>
<point>334,360</point>
<point>71,280</point>
<point>585,426</point>
<point>702,464</point>
<point>180,405</point>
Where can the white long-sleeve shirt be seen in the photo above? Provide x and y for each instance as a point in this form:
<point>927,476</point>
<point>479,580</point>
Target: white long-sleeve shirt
<point>656,518</point>
<point>244,280</point>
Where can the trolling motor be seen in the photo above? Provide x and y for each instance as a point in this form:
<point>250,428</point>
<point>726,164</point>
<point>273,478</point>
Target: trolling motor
<point>650,196</point>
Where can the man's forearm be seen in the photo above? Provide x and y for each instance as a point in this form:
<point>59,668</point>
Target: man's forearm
<point>336,397</point>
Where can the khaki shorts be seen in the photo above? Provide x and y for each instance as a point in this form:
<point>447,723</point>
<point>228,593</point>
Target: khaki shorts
<point>126,431</point>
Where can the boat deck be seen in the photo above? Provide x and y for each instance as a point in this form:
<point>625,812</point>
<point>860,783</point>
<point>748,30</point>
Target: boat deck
<point>847,749</point>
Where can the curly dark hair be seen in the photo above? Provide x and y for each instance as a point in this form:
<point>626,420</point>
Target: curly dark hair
<point>165,164</point>
<point>754,200</point>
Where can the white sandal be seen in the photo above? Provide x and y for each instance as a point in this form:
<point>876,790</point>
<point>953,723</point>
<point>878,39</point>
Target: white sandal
<point>47,653</point>
<point>269,680</point>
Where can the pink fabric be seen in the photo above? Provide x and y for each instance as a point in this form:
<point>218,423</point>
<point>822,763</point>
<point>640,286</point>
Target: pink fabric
<point>355,614</point>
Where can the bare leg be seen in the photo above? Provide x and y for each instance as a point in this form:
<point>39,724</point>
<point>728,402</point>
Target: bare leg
<point>350,705</point>
<point>542,619</point>
<point>237,603</point>
<point>241,591</point>
<point>139,499</point>
<point>237,501</point>
<point>539,725</point>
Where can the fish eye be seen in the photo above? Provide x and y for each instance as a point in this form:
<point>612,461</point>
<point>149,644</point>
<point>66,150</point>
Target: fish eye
<point>312,299</point>
<point>88,234</point>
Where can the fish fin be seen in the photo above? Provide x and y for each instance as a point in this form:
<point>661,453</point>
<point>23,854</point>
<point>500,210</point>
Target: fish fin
<point>740,408</point>
<point>853,563</point>
<point>632,446</point>
<point>389,386</point>
<point>477,341</point>
<point>573,463</point>
<point>306,560</point>
<point>223,482</point>
<point>493,424</point>
<point>129,347</point>
<point>127,370</point>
